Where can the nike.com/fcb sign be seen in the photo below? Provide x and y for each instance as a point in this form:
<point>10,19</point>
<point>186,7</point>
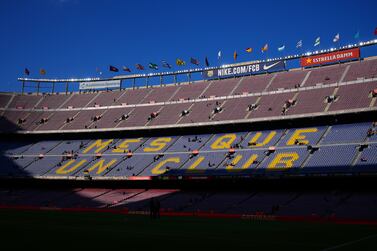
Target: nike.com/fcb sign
<point>330,57</point>
<point>245,70</point>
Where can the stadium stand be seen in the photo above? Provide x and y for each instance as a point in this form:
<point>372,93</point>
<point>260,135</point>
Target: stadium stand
<point>323,89</point>
<point>345,205</point>
<point>116,135</point>
<point>286,93</point>
<point>287,80</point>
<point>324,149</point>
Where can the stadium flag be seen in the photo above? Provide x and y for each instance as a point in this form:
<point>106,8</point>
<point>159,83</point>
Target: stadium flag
<point>336,38</point>
<point>375,31</point>
<point>249,50</point>
<point>166,64</point>
<point>357,35</point>
<point>235,55</point>
<point>139,67</point>
<point>27,72</point>
<point>219,55</point>
<point>153,66</point>
<point>317,41</point>
<point>265,48</point>
<point>299,44</point>
<point>206,61</point>
<point>180,62</point>
<point>113,68</point>
<point>126,69</point>
<point>194,61</point>
<point>281,48</point>
<point>42,71</point>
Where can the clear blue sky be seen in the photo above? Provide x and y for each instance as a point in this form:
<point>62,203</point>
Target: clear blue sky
<point>71,38</point>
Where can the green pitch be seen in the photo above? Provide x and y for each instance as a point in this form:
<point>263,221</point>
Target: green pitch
<point>50,230</point>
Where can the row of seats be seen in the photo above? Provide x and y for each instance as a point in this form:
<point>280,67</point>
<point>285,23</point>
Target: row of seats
<point>340,204</point>
<point>330,99</point>
<point>254,84</point>
<point>302,102</point>
<point>295,150</point>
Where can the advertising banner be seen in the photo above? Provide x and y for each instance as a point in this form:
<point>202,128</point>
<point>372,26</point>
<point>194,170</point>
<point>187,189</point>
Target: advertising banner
<point>108,84</point>
<point>330,57</point>
<point>244,70</point>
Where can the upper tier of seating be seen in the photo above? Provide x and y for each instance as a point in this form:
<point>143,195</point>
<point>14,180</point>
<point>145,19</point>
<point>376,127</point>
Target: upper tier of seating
<point>294,92</point>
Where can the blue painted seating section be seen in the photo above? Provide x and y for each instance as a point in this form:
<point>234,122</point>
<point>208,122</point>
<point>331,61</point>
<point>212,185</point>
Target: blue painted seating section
<point>238,138</point>
<point>241,162</point>
<point>331,159</point>
<point>109,162</point>
<point>117,145</point>
<point>297,154</point>
<point>170,141</point>
<point>347,133</point>
<point>41,166</point>
<point>260,137</point>
<point>68,146</point>
<point>21,162</point>
<point>211,161</point>
<point>176,161</point>
<point>189,143</point>
<point>131,166</point>
<point>311,134</point>
<point>367,161</point>
<point>336,153</point>
<point>9,167</point>
<point>42,147</point>
<point>14,147</point>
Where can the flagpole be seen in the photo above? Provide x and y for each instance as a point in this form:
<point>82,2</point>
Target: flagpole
<point>301,56</point>
<point>219,56</point>
<point>266,55</point>
<point>23,87</point>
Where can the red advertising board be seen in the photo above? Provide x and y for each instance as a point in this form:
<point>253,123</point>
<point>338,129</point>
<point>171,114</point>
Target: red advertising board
<point>330,57</point>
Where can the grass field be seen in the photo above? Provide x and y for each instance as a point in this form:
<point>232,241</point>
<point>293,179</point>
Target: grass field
<point>42,230</point>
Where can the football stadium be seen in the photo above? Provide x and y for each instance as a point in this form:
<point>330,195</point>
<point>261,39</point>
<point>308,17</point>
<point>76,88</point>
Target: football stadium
<point>274,152</point>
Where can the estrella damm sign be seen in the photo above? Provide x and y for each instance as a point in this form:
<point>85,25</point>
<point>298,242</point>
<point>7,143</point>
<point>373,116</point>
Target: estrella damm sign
<point>330,57</point>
